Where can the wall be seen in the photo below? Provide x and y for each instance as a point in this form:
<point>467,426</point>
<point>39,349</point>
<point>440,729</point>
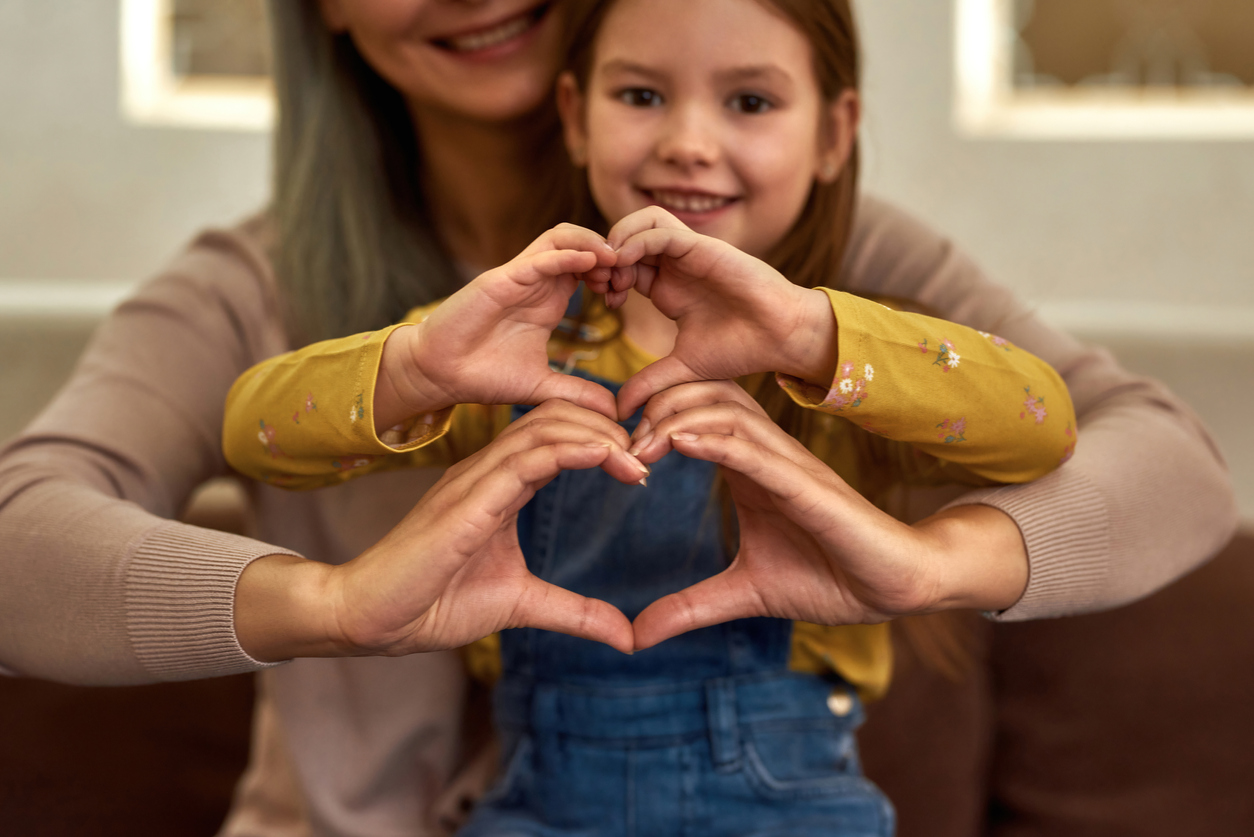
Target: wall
<point>84,196</point>
<point>1143,244</point>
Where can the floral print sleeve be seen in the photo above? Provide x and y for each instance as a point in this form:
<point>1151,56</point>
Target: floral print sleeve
<point>304,419</point>
<point>961,395</point>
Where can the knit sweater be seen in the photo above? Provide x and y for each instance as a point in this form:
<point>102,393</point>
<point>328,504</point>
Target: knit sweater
<point>99,584</point>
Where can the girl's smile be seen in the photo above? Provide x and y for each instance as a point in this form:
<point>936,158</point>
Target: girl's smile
<point>693,208</point>
<point>716,116</point>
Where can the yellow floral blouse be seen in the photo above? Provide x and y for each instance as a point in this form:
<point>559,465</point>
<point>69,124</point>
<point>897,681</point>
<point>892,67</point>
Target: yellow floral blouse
<point>980,409</point>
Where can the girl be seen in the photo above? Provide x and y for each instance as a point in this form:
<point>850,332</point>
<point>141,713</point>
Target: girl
<point>746,132</point>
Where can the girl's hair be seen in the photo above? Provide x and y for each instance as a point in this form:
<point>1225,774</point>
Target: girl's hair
<point>355,245</point>
<point>811,254</point>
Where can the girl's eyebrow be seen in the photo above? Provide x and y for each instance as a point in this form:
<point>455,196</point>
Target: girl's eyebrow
<point>763,72</point>
<point>733,75</point>
<point>622,65</point>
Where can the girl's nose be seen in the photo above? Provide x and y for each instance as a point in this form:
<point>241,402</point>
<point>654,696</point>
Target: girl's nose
<point>688,141</point>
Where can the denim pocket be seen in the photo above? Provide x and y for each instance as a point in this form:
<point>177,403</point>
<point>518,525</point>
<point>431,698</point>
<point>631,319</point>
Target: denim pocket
<point>800,760</point>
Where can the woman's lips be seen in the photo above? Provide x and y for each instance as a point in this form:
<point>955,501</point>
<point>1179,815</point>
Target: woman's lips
<point>495,35</point>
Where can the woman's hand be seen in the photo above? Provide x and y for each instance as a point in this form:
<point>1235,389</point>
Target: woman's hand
<point>451,572</point>
<point>486,344</point>
<point>811,548</point>
<point>736,314</point>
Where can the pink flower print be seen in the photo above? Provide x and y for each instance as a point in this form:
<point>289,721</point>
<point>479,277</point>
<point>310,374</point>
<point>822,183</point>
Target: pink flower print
<point>1069,450</point>
<point>1035,406</point>
<point>296,416</point>
<point>1000,342</point>
<point>267,436</point>
<point>923,346</point>
<point>309,403</point>
<point>846,391</point>
<point>952,430</point>
<point>946,357</point>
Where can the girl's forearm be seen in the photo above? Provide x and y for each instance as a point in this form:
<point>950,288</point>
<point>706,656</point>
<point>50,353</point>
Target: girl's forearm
<point>809,350</point>
<point>402,390</point>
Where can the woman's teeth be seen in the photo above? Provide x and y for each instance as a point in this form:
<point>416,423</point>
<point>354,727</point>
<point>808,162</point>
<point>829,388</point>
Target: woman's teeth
<point>688,202</point>
<point>492,37</point>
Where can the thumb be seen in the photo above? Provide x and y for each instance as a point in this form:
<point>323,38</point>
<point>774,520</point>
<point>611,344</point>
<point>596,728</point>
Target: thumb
<point>552,608</point>
<point>661,374</point>
<point>719,599</point>
<point>585,393</point>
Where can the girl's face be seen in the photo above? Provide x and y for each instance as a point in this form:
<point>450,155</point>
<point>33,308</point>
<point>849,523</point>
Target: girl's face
<point>487,60</point>
<point>709,109</point>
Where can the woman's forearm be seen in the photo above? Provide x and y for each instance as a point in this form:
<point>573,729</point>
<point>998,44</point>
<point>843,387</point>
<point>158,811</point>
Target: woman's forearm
<point>983,562</point>
<point>281,610</point>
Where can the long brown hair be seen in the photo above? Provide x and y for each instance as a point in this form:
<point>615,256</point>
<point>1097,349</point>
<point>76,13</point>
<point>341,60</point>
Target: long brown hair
<point>811,255</point>
<point>355,247</point>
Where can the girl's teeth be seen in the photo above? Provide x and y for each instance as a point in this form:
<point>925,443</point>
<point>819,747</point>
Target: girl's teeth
<point>491,37</point>
<point>690,203</point>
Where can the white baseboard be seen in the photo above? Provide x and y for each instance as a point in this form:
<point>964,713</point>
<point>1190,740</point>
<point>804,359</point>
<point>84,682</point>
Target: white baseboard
<point>53,299</point>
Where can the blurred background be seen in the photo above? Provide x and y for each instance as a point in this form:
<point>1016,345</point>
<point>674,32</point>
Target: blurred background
<point>1096,156</point>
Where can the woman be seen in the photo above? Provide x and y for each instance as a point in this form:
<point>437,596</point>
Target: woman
<point>417,145</point>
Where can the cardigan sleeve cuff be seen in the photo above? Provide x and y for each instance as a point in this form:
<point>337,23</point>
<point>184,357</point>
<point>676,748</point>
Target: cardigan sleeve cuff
<point>180,602</point>
<point>1066,528</point>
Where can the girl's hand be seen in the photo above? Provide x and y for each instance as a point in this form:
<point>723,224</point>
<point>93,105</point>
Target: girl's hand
<point>736,314</point>
<point>486,344</point>
<point>451,572</point>
<point>811,548</point>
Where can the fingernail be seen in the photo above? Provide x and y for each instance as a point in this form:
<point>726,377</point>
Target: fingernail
<point>683,437</point>
<point>642,429</point>
<point>644,469</point>
<point>597,445</point>
<point>644,482</point>
<point>640,445</point>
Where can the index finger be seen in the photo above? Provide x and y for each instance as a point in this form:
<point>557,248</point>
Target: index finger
<point>573,237</point>
<point>649,218</point>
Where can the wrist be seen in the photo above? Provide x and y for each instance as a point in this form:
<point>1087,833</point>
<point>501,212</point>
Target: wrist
<point>811,347</point>
<point>283,610</point>
<point>403,389</point>
<point>982,559</point>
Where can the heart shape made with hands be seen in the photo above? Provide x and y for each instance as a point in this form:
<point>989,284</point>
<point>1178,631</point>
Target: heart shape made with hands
<point>810,549</point>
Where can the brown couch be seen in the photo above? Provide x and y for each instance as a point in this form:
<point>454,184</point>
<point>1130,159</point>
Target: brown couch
<point>1138,721</point>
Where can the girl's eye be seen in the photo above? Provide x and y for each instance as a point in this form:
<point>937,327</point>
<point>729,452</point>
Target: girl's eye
<point>640,97</point>
<point>750,103</point>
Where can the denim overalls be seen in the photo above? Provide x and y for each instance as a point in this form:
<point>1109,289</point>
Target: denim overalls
<point>708,733</point>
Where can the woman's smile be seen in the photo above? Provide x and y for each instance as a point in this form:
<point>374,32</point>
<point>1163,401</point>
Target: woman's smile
<point>495,39</point>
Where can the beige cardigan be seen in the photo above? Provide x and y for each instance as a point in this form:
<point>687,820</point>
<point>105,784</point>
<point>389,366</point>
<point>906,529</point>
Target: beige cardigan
<point>98,585</point>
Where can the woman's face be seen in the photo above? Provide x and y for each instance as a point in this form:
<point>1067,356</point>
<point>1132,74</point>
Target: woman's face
<point>708,108</point>
<point>486,60</point>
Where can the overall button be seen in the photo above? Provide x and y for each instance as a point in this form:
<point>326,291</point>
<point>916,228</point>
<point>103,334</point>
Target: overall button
<point>840,702</point>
